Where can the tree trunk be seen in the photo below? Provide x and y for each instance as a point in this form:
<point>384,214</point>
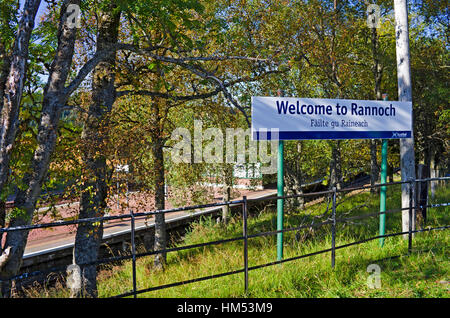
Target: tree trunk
<point>160,222</point>
<point>377,71</point>
<point>228,184</point>
<point>374,168</point>
<point>2,225</point>
<point>433,175</point>
<point>390,172</point>
<point>226,208</point>
<point>335,165</point>
<point>94,187</point>
<point>4,72</point>
<point>293,182</point>
<point>12,93</point>
<point>293,186</point>
<point>53,100</point>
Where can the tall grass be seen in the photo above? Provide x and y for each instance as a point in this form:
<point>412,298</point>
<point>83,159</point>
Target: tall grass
<point>420,274</point>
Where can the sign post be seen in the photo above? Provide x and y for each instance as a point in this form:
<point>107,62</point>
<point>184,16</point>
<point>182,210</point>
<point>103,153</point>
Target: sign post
<point>280,193</point>
<point>383,179</point>
<point>280,202</point>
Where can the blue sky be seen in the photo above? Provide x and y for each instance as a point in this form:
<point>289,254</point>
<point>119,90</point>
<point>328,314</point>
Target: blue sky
<point>41,10</point>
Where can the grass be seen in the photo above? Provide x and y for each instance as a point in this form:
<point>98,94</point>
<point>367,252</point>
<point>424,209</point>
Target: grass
<point>423,273</point>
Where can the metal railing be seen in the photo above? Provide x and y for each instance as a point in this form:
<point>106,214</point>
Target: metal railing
<point>413,206</point>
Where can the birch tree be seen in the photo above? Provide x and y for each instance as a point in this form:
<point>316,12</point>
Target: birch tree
<point>12,89</point>
<point>55,97</point>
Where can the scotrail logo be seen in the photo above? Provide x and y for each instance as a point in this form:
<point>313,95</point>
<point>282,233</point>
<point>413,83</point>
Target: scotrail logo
<point>399,135</point>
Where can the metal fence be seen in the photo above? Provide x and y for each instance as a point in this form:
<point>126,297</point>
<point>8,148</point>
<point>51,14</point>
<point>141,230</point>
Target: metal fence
<point>245,237</point>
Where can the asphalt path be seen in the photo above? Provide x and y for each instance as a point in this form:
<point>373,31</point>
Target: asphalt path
<point>65,240</point>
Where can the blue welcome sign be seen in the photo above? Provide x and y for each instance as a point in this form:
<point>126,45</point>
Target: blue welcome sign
<point>287,118</point>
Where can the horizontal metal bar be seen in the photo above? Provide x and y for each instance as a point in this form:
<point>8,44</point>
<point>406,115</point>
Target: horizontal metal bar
<point>179,283</point>
<point>261,234</point>
<point>125,257</point>
<point>377,185</point>
<point>193,207</point>
<point>114,217</point>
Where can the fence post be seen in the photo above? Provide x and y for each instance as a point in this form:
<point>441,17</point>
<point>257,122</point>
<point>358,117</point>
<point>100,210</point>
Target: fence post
<point>410,214</point>
<point>244,207</point>
<point>333,229</point>
<point>133,252</point>
<point>422,194</point>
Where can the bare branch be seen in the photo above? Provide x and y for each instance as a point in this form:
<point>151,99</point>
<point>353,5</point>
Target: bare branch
<point>97,58</point>
<point>167,96</point>
<point>148,51</point>
<point>230,98</point>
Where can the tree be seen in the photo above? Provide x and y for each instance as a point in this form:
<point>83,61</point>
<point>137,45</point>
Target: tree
<point>13,88</point>
<point>94,185</point>
<point>55,97</point>
<point>6,37</point>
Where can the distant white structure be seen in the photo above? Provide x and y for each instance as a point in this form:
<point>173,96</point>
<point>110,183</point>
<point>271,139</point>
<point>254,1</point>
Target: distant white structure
<point>123,168</point>
<point>247,171</point>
